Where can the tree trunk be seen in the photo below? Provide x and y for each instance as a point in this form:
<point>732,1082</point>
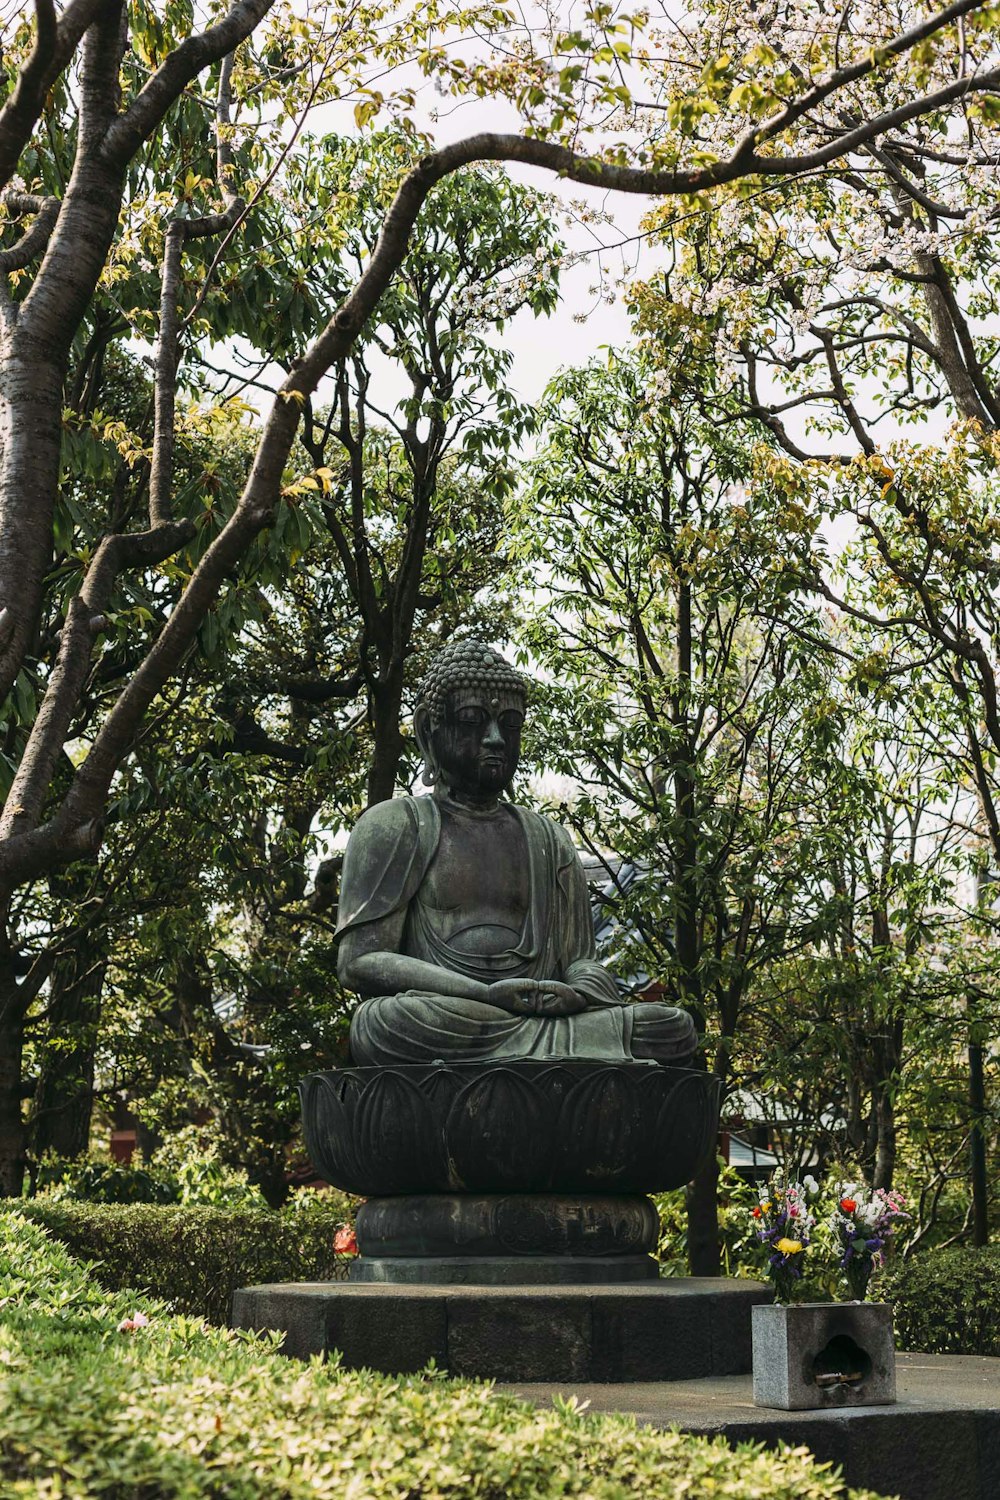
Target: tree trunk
<point>12,1131</point>
<point>704,1255</point>
<point>64,1098</point>
<point>64,1095</point>
<point>977,1144</point>
<point>703,1190</point>
<point>30,438</point>
<point>885,1150</point>
<point>386,702</point>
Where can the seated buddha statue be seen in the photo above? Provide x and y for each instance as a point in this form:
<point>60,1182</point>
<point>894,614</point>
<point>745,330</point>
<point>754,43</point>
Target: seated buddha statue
<point>465,921</point>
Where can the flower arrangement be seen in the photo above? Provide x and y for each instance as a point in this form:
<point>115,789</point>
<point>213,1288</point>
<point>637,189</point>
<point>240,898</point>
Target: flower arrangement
<point>858,1230</point>
<point>863,1224</point>
<point>783,1223</point>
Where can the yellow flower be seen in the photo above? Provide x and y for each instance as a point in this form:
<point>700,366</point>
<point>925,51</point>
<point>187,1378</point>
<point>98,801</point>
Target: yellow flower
<point>788,1247</point>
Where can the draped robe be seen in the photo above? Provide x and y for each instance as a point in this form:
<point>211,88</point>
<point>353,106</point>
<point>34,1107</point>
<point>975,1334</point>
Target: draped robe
<point>387,859</point>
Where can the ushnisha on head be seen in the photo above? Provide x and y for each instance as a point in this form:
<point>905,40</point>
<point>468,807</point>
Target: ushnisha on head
<point>470,708</point>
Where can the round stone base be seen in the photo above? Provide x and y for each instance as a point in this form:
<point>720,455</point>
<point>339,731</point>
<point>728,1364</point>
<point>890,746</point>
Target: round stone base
<point>670,1328</point>
<point>504,1270</point>
<point>503,1225</point>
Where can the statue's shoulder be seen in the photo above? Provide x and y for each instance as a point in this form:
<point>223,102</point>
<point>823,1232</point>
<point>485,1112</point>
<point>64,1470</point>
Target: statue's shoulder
<point>397,813</point>
<point>387,853</point>
<point>399,818</point>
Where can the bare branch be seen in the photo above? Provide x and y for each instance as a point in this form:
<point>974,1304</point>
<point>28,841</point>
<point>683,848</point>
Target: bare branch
<point>167,349</point>
<point>161,474</point>
<point>84,621</point>
<point>321,689</point>
<point>104,45</point>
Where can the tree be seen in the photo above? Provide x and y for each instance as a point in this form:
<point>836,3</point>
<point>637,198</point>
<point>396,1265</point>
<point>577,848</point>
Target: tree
<point>853,1019</point>
<point>851,306</point>
<point>114,83</point>
<point>485,250</point>
<point>688,699</point>
<point>274,729</point>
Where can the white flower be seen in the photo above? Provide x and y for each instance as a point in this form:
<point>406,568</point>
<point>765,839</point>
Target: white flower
<point>810,1184</point>
<point>137,1320</point>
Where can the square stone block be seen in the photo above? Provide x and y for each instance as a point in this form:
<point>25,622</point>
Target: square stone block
<point>822,1355</point>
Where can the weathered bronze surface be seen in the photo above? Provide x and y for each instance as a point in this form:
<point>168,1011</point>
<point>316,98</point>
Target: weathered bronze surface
<point>596,1224</point>
<point>520,1126</point>
<point>509,1106</point>
<point>465,920</point>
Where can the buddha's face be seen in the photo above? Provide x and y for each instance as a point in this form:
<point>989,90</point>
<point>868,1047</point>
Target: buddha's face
<point>477,745</point>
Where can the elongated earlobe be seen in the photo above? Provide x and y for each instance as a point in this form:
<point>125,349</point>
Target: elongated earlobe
<point>422,728</point>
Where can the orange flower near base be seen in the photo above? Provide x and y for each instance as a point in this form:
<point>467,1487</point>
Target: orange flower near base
<point>848,1205</point>
<point>345,1241</point>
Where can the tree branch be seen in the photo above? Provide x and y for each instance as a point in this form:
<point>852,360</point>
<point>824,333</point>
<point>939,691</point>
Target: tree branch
<point>76,825</point>
<point>194,54</point>
<point>321,689</point>
<point>168,344</point>
<point>34,240</point>
<point>876,58</point>
<point>55,43</point>
<point>84,621</point>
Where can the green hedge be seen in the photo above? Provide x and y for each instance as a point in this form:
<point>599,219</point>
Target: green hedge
<point>946,1301</point>
<point>195,1257</point>
<point>176,1410</point>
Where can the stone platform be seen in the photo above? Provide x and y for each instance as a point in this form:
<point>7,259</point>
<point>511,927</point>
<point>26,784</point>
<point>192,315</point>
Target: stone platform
<point>940,1441</point>
<point>677,1329</point>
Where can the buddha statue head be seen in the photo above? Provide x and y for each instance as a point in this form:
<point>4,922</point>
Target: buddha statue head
<point>468,717</point>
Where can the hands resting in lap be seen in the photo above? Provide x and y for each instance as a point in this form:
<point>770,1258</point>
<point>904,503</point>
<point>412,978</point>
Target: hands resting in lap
<point>535,997</point>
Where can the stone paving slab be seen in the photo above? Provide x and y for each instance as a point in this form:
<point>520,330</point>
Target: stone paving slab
<point>940,1441</point>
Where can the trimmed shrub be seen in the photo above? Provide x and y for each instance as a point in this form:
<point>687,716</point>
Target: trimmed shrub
<point>195,1257</point>
<point>946,1301</point>
<point>101,1394</point>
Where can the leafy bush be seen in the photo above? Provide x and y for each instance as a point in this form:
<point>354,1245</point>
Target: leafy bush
<point>193,1161</point>
<point>100,1180</point>
<point>96,1400</point>
<point>186,1169</point>
<point>195,1257</point>
<point>947,1301</point>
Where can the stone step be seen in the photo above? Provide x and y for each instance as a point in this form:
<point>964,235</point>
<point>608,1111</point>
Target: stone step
<point>939,1441</point>
<point>677,1329</point>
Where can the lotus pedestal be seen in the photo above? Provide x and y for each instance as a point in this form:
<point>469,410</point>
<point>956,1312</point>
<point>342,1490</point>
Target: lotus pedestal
<point>518,1172</point>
